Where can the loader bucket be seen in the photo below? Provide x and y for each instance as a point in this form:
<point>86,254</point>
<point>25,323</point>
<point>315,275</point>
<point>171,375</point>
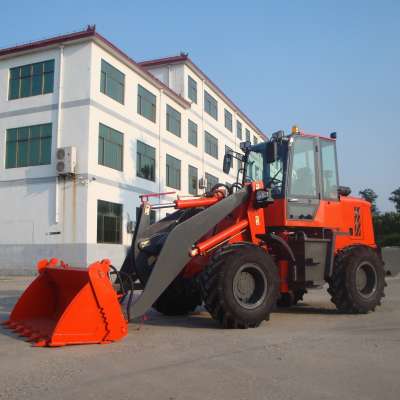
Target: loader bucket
<point>66,305</point>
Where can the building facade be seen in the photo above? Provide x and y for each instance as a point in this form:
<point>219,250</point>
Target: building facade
<point>137,128</point>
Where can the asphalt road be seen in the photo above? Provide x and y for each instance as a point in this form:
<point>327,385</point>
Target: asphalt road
<point>308,352</point>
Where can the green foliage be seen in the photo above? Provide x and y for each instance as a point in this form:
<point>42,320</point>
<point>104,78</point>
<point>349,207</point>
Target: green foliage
<point>370,196</point>
<point>395,198</point>
<point>387,229</point>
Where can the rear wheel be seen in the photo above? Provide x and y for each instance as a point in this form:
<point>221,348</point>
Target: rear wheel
<point>240,286</point>
<point>358,280</point>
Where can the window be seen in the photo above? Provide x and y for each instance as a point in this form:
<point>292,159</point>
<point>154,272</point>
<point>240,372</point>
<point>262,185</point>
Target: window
<point>28,146</point>
<point>329,170</point>
<point>211,145</point>
<point>193,177</point>
<point>228,120</point>
<point>248,139</point>
<point>152,215</point>
<point>112,82</point>
<point>210,105</point>
<point>211,181</point>
<point>173,172</point>
<point>146,104</point>
<point>31,80</point>
<point>239,130</point>
<point>109,222</point>
<point>303,177</point>
<point>192,89</point>
<point>228,150</point>
<point>145,161</point>
<point>111,147</point>
<point>192,133</point>
<point>173,121</point>
<point>255,140</point>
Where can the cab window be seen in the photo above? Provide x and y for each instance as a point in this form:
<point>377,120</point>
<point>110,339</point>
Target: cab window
<point>303,181</point>
<point>329,170</point>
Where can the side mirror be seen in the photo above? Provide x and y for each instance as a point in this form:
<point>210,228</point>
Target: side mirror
<point>272,151</point>
<point>227,163</point>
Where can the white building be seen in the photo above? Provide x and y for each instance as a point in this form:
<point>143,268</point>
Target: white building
<point>156,126</point>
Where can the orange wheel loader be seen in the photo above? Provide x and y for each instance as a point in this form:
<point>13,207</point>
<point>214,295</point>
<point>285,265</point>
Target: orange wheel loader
<point>241,249</point>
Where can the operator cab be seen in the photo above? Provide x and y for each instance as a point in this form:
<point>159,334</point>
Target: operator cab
<point>302,169</point>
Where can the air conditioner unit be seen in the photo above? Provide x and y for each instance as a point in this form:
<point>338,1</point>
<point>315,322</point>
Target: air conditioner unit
<point>66,160</point>
<point>202,183</point>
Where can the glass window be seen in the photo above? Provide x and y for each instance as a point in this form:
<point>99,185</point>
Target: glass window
<point>210,105</point>
<point>228,120</point>
<point>329,170</point>
<point>255,140</point>
<point>109,222</point>
<point>111,147</point>
<point>146,104</point>
<point>152,215</point>
<point>192,89</point>
<point>210,145</point>
<point>31,80</point>
<point>248,139</point>
<point>173,121</point>
<point>239,130</point>
<point>28,146</point>
<point>192,133</point>
<point>303,180</point>
<point>112,82</point>
<point>211,181</point>
<point>193,177</point>
<point>145,161</point>
<point>173,172</point>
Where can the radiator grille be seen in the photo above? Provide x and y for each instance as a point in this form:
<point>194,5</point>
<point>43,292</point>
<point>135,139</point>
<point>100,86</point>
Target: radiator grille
<point>357,221</point>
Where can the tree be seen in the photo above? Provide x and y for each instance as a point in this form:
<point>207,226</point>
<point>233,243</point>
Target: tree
<point>370,196</point>
<point>395,198</point>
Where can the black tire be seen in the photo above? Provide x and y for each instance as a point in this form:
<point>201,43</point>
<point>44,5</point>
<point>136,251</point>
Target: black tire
<point>180,298</point>
<point>358,280</point>
<point>221,281</point>
<point>291,299</point>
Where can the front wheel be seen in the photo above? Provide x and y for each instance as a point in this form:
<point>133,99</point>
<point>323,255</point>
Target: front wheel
<point>240,286</point>
<point>358,280</point>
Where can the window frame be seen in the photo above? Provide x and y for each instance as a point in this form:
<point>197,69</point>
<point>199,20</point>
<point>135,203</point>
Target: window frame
<point>111,130</point>
<point>139,157</point>
<point>192,89</point>
<point>28,142</point>
<point>119,221</point>
<point>107,78</point>
<point>210,153</point>
<point>193,124</point>
<point>210,104</point>
<point>171,112</point>
<point>141,98</point>
<point>228,120</point>
<point>43,75</point>
<point>321,168</point>
<point>239,124</point>
<point>214,178</point>
<point>196,191</point>
<point>167,174</point>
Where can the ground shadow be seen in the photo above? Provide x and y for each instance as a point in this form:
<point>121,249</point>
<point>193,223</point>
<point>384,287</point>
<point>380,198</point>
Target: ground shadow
<point>305,308</point>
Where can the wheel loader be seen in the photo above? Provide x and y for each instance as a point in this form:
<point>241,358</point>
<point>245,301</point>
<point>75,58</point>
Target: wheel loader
<point>283,227</point>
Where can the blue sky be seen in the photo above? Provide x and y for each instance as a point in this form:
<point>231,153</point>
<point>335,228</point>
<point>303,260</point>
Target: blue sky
<point>324,65</point>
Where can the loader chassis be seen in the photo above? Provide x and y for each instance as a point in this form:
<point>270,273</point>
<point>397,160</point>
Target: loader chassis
<point>291,208</point>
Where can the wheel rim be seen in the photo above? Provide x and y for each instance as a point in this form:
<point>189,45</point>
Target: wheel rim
<point>366,279</point>
<point>250,286</point>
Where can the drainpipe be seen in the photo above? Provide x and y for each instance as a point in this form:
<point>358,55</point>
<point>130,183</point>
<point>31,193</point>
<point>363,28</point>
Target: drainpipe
<point>58,132</point>
<point>159,145</point>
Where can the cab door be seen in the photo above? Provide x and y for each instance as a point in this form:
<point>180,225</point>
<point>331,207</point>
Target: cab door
<point>303,191</point>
